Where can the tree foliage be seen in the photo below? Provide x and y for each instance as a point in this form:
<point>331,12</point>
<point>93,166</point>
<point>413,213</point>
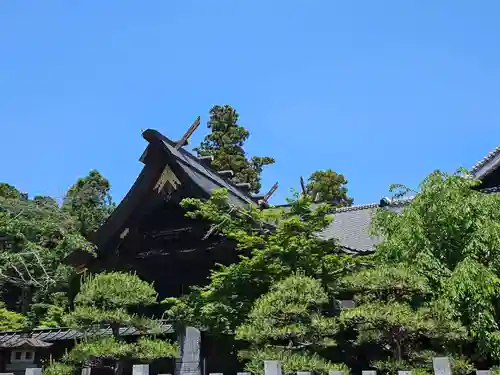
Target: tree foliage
<point>35,235</point>
<point>10,320</point>
<point>398,312</point>
<point>243,297</point>
<point>268,254</point>
<point>116,299</point>
<point>292,322</point>
<point>89,201</point>
<point>330,187</point>
<point>225,143</point>
<point>58,368</point>
<point>451,234</point>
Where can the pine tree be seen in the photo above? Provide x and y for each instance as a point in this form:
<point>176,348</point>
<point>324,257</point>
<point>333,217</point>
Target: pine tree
<point>397,312</point>
<point>225,143</point>
<point>116,299</point>
<point>291,323</point>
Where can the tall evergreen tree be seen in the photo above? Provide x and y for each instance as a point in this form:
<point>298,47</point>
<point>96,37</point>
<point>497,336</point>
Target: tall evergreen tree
<point>225,143</point>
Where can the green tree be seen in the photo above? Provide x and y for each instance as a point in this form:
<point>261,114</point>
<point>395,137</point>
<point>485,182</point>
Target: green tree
<point>118,300</point>
<point>10,320</point>
<point>7,191</point>
<point>89,201</point>
<point>397,312</point>
<point>451,234</point>
<point>268,254</point>
<point>225,143</point>
<point>291,323</point>
<point>35,238</point>
<point>330,187</point>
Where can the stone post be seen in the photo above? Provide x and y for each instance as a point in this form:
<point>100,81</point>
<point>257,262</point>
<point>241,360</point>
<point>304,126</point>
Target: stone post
<point>272,368</point>
<point>189,339</point>
<point>441,366</point>
<point>33,371</point>
<point>140,370</point>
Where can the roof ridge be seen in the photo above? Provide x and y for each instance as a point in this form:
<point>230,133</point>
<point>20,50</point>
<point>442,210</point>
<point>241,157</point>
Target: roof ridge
<point>485,160</point>
<point>357,207</point>
<point>394,203</point>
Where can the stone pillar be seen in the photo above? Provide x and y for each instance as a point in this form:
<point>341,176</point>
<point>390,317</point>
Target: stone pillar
<point>140,370</point>
<point>442,366</point>
<point>189,340</point>
<point>33,371</point>
<point>272,368</point>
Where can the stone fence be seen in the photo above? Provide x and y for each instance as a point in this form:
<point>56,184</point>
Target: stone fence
<point>441,366</point>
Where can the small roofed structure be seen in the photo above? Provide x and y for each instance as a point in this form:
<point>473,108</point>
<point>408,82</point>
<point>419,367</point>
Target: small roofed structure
<point>20,352</point>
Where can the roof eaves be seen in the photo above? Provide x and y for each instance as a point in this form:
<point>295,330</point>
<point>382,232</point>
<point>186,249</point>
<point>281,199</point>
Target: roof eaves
<point>487,164</point>
<point>62,333</point>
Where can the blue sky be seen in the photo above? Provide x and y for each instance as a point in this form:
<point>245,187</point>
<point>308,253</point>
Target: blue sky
<point>382,91</point>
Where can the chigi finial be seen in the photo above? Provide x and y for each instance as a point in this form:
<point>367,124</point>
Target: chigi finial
<point>185,138</point>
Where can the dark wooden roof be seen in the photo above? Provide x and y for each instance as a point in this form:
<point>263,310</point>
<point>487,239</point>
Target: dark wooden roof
<point>203,176</point>
<point>188,175</point>
<point>487,165</point>
<point>488,170</point>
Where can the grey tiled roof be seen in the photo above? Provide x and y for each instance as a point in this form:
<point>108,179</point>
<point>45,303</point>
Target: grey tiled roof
<point>17,342</point>
<point>489,162</point>
<point>9,339</point>
<point>351,226</point>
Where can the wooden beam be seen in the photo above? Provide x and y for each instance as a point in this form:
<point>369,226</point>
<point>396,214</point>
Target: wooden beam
<point>270,193</point>
<point>188,134</point>
<point>303,186</point>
